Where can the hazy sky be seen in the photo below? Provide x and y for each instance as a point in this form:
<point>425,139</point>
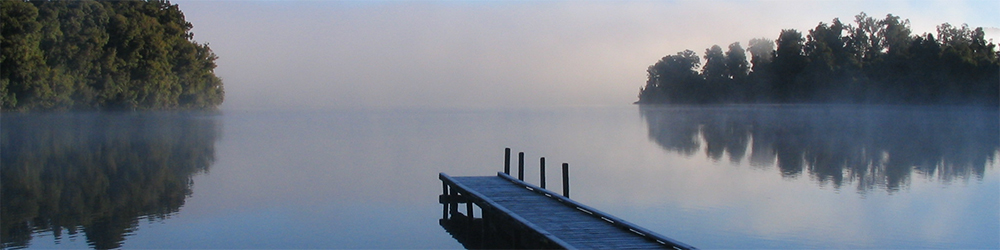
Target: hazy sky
<point>484,54</point>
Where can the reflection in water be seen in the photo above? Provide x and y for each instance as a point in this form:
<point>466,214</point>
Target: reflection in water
<point>97,173</point>
<point>472,234</point>
<point>870,146</point>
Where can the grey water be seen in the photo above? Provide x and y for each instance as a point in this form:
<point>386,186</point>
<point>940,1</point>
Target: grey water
<point>744,176</point>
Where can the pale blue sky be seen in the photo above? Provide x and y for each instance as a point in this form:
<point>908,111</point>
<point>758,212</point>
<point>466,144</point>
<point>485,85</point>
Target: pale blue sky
<point>472,54</point>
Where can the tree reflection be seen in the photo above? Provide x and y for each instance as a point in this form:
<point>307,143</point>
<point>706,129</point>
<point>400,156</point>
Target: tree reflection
<point>870,146</point>
<point>99,173</point>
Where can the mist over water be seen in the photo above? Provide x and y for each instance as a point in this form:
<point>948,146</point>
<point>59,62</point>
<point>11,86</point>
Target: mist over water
<point>870,147</point>
<point>97,175</point>
<point>339,116</point>
<point>759,176</point>
<point>329,54</point>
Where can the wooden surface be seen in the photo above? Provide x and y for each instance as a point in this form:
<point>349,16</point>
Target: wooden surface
<point>575,225</point>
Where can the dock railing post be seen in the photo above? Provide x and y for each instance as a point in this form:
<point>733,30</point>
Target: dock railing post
<point>520,166</point>
<point>565,172</point>
<point>541,166</point>
<point>506,161</point>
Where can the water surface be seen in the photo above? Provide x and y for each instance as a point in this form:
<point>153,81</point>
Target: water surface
<point>713,177</point>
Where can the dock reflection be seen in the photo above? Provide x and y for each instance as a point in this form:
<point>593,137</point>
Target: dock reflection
<point>472,235</point>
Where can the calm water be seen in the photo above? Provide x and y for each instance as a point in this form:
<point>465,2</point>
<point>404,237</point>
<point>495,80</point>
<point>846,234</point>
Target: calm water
<point>712,177</point>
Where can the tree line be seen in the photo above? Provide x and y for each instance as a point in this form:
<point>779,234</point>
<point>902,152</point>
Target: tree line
<point>107,55</point>
<point>872,61</point>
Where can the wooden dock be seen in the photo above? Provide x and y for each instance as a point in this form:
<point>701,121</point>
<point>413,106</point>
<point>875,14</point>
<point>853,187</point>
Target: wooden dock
<point>523,215</point>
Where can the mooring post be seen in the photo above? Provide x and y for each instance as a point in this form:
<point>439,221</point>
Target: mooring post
<point>520,166</point>
<point>541,166</point>
<point>566,179</point>
<point>506,161</point>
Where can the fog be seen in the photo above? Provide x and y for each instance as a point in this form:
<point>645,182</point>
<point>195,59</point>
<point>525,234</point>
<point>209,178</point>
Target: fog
<point>451,54</point>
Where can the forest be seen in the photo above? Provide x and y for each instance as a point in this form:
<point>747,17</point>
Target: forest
<point>872,61</point>
<point>103,55</point>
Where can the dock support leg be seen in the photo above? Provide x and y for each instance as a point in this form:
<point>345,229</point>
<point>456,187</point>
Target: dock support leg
<point>483,225</point>
<point>453,203</point>
<point>468,211</point>
<point>444,214</point>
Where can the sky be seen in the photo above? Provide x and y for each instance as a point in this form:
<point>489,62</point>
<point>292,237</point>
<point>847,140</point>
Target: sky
<point>289,55</point>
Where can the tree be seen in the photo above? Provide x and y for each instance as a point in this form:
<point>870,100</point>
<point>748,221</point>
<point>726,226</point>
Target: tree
<point>950,35</point>
<point>833,71</point>
<point>896,34</point>
<point>761,77</point>
<point>674,79</point>
<point>88,55</point>
<point>761,52</point>
<point>867,38</point>
<point>715,69</point>
<point>877,61</point>
<point>736,62</point>
<point>788,63</point>
<point>827,46</point>
<point>22,78</point>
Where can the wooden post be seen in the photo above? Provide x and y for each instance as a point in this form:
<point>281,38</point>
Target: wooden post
<point>453,201</point>
<point>482,226</point>
<point>506,161</point>
<point>520,166</point>
<point>468,209</point>
<point>444,186</point>
<point>566,179</point>
<point>541,166</point>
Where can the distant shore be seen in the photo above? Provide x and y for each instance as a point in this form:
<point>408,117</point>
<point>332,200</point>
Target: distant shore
<point>872,61</point>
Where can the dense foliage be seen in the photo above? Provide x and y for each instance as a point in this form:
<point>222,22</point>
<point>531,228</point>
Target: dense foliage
<point>89,55</point>
<point>873,61</point>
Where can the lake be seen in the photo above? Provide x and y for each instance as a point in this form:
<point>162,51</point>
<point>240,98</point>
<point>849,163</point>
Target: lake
<point>746,176</point>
